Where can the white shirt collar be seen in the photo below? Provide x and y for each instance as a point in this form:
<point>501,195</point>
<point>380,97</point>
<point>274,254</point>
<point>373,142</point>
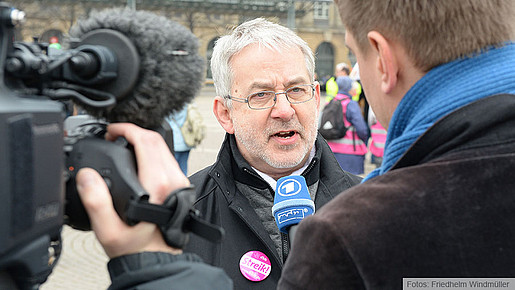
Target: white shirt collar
<point>273,182</point>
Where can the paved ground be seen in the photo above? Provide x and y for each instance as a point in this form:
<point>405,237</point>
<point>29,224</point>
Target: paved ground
<point>83,263</point>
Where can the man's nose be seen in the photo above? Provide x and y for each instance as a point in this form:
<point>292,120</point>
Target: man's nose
<point>283,108</point>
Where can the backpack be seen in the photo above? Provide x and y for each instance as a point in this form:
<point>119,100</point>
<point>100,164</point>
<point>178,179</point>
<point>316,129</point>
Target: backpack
<point>193,130</point>
<point>332,126</point>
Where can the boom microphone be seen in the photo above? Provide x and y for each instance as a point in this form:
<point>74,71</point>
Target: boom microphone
<point>149,67</point>
<point>159,69</point>
<point>292,203</point>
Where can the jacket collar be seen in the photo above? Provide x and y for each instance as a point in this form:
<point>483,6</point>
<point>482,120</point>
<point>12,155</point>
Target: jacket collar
<point>478,124</point>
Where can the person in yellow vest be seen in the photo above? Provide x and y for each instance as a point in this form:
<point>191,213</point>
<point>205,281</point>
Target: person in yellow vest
<point>356,91</point>
<point>331,87</point>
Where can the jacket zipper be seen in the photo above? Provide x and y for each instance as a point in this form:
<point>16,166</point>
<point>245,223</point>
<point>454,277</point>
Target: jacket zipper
<point>272,250</point>
<point>285,243</point>
<point>285,240</point>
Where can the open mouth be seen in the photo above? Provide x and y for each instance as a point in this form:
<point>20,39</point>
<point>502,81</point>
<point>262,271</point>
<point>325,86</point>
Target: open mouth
<point>285,135</point>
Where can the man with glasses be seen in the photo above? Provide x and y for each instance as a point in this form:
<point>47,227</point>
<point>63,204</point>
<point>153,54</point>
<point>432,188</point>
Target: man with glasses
<point>268,103</point>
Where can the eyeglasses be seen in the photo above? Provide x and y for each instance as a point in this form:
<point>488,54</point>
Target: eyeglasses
<point>267,99</point>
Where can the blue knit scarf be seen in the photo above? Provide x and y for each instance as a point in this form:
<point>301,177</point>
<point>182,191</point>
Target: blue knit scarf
<point>443,90</point>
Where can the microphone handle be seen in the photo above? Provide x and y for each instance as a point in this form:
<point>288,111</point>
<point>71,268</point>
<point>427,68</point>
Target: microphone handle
<point>291,233</point>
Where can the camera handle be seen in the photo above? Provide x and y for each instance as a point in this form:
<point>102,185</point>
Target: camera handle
<point>116,163</point>
<point>175,218</point>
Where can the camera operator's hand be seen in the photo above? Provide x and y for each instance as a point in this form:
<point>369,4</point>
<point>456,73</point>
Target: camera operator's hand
<point>158,173</point>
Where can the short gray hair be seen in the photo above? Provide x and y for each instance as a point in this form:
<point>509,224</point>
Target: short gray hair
<point>261,31</point>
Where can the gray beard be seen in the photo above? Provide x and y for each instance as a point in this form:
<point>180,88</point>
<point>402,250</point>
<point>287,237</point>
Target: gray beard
<point>246,137</point>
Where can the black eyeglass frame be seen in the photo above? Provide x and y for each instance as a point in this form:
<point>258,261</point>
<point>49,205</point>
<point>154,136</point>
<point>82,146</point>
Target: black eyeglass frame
<point>246,100</point>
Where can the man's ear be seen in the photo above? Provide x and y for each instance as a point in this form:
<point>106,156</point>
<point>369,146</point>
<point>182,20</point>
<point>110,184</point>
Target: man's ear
<point>223,114</point>
<point>387,62</point>
<point>317,93</point>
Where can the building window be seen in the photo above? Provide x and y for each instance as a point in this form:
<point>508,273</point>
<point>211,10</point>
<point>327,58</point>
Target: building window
<point>324,61</point>
<point>321,10</point>
<point>47,35</point>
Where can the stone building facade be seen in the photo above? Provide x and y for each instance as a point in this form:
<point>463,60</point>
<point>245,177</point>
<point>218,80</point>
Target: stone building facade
<point>317,22</point>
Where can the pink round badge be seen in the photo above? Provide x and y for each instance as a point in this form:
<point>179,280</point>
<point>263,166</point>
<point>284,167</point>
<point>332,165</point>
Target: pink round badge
<point>255,266</point>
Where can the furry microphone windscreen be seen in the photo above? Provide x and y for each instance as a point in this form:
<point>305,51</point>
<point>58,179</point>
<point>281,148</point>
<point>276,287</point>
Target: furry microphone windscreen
<point>170,72</point>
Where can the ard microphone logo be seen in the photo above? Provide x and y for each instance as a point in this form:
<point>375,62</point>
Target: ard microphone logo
<point>289,187</point>
<point>291,215</point>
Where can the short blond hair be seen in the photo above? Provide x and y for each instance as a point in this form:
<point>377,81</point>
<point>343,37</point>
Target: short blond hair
<point>433,32</point>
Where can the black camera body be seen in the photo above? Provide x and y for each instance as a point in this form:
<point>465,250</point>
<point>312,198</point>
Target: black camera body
<point>85,147</point>
<point>31,178</point>
<point>42,148</point>
<point>38,162</point>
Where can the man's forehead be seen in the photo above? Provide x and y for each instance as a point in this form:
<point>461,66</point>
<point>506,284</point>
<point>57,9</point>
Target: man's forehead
<point>255,48</point>
<point>266,83</point>
<point>263,68</point>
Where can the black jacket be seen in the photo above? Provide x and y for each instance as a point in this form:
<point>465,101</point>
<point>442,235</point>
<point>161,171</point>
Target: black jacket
<point>446,209</point>
<point>222,204</point>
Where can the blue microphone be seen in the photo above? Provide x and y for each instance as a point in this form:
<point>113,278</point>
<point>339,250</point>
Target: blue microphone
<point>292,203</point>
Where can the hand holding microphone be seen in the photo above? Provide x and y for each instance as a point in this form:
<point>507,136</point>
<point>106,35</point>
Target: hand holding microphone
<point>292,204</point>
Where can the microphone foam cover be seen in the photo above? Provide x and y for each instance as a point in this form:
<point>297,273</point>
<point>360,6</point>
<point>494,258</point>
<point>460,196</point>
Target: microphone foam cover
<point>171,71</point>
<point>292,202</point>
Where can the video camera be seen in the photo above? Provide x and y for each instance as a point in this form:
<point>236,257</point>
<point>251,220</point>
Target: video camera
<point>39,159</point>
